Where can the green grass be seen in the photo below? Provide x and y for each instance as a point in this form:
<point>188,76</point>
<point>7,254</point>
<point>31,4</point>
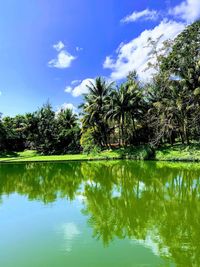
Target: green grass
<point>179,152</point>
<point>167,153</point>
<point>33,156</point>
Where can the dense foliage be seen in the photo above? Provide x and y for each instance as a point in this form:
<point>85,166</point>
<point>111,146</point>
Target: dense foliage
<point>44,130</point>
<point>165,110</point>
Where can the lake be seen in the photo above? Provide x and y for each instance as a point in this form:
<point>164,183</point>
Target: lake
<point>96,214</point>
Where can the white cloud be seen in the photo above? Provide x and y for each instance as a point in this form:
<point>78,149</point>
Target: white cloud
<point>144,14</point>
<point>67,106</point>
<point>68,89</point>
<point>82,87</point>
<point>75,82</point>
<point>135,54</point>
<point>188,10</point>
<point>63,60</point>
<point>0,93</point>
<point>59,46</point>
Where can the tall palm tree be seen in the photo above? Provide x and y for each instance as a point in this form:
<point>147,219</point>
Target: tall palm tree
<point>126,108</point>
<point>137,105</point>
<point>119,109</point>
<point>94,108</point>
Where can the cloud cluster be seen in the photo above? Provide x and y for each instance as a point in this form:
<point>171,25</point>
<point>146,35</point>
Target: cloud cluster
<point>80,89</point>
<point>63,59</point>
<point>188,10</point>
<point>141,15</point>
<point>134,55</point>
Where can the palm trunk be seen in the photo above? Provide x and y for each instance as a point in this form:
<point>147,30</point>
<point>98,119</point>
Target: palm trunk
<point>134,128</point>
<point>122,129</point>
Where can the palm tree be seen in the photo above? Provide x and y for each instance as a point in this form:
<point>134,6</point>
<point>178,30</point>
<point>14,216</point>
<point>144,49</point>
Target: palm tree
<point>68,130</point>
<point>94,108</point>
<point>67,118</point>
<point>119,109</point>
<point>137,105</point>
<point>126,108</point>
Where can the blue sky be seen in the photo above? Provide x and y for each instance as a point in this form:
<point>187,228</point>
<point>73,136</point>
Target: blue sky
<point>49,49</point>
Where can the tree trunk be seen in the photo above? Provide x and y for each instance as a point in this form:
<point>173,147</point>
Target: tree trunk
<point>134,128</point>
<point>185,131</point>
<point>122,129</point>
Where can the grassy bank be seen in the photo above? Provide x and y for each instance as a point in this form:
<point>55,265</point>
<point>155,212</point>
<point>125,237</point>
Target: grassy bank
<point>179,152</point>
<point>32,156</point>
<point>166,153</point>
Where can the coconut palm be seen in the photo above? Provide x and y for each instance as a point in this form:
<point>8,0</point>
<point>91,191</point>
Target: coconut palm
<point>119,109</point>
<point>67,118</point>
<point>94,108</point>
<point>125,108</point>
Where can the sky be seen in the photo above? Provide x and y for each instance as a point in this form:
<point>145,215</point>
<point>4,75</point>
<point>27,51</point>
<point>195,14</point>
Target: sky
<point>50,50</point>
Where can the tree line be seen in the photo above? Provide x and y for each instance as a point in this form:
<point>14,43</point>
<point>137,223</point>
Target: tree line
<point>167,109</point>
<point>163,110</point>
<point>45,130</point>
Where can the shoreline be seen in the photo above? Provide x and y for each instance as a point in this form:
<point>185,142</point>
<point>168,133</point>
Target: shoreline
<point>100,159</point>
<point>177,153</point>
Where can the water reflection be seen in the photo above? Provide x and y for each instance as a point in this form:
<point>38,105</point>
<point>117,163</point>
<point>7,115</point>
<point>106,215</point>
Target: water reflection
<point>155,203</point>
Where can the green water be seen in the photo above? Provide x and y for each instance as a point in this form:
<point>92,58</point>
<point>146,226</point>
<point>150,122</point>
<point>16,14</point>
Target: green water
<point>96,214</point>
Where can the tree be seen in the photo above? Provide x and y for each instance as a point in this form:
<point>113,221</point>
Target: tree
<point>45,137</point>
<point>68,131</point>
<point>88,142</point>
<point>2,135</point>
<point>125,109</point>
<point>183,65</point>
<point>14,133</point>
<point>94,109</point>
<point>119,110</point>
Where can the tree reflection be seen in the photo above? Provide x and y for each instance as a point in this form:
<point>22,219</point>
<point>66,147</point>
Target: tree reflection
<point>45,182</point>
<point>123,199</point>
<point>149,199</point>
